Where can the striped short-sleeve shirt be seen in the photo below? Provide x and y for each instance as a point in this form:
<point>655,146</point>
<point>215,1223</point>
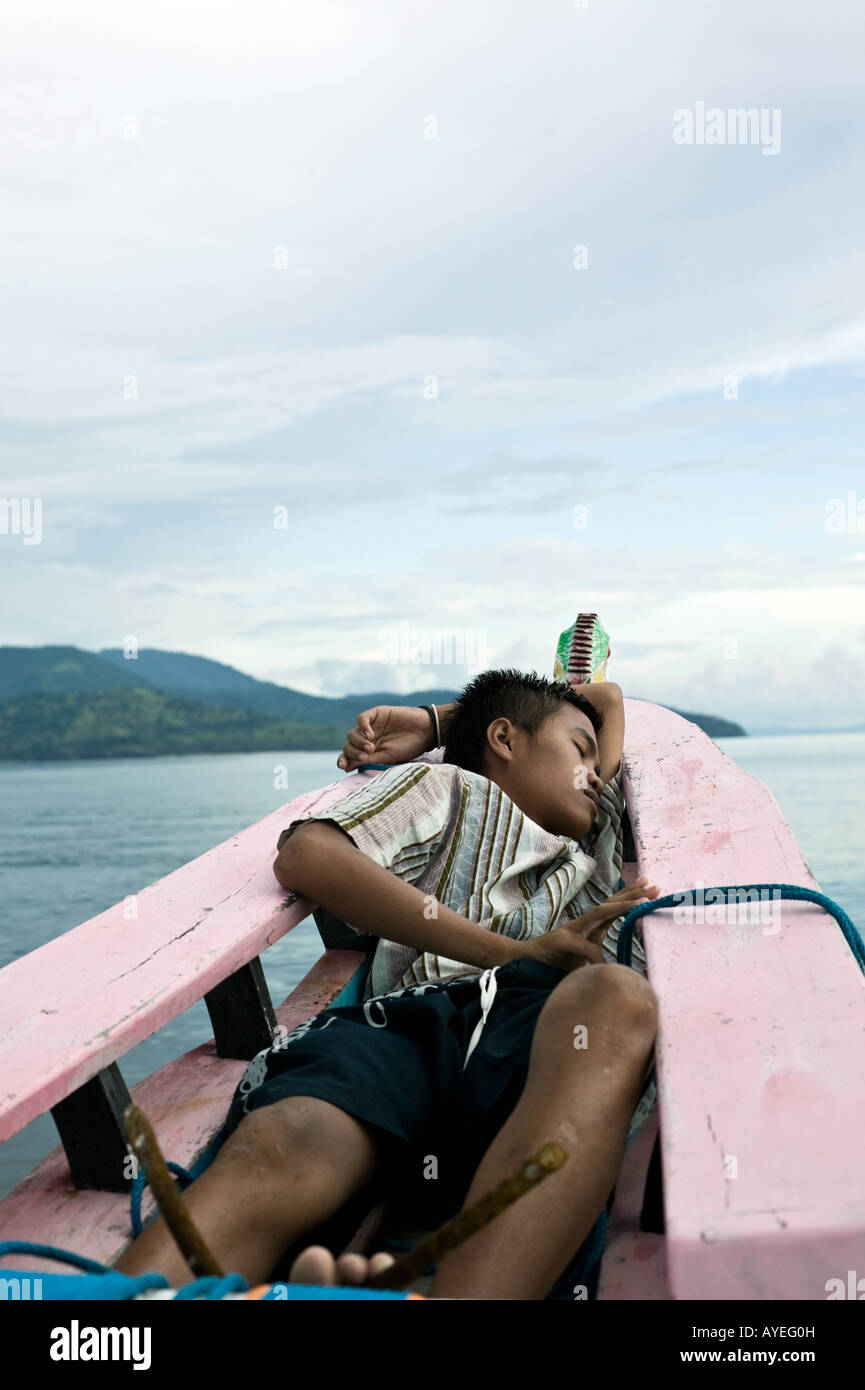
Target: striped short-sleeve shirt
<point>461,841</point>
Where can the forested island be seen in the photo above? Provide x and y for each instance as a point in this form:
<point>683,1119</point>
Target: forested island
<point>62,703</point>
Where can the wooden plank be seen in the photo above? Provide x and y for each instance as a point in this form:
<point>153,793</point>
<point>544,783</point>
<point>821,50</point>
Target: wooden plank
<point>77,1004</point>
<point>90,1125</point>
<point>186,1101</point>
<point>760,1052</point>
<point>241,1012</point>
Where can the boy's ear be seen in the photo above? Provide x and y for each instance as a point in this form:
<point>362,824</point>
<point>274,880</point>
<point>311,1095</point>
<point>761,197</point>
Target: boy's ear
<point>500,738</point>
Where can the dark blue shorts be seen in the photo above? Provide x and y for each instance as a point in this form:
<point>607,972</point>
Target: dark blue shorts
<point>396,1063</point>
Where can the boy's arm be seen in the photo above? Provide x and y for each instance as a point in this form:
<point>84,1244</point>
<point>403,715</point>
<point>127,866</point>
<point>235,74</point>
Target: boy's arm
<point>606,697</point>
<point>320,863</point>
<point>391,734</point>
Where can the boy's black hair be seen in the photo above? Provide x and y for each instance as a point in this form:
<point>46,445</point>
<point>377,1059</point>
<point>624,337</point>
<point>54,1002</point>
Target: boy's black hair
<point>527,700</point>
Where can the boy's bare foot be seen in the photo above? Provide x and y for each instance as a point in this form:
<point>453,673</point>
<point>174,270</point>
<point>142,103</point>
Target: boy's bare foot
<point>316,1265</point>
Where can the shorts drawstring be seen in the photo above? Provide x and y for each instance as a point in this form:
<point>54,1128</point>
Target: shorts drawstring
<point>488,988</point>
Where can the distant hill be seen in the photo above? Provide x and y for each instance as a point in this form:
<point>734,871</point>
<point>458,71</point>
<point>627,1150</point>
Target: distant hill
<point>713,724</point>
<point>50,670</point>
<point>62,702</point>
<point>199,678</point>
<point>145,724</point>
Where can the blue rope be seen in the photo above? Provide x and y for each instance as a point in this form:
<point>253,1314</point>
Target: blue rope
<point>212,1286</point>
<point>137,1192</point>
<point>52,1252</point>
<point>784,891</point>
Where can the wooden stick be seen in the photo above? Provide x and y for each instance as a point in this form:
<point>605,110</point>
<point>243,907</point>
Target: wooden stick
<point>431,1249</point>
<point>191,1244</point>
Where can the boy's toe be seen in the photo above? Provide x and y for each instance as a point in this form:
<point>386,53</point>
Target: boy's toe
<point>314,1265</point>
<point>351,1269</point>
<point>356,1269</point>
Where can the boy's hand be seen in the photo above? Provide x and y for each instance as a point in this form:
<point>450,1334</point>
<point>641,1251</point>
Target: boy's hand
<point>386,734</point>
<point>576,943</point>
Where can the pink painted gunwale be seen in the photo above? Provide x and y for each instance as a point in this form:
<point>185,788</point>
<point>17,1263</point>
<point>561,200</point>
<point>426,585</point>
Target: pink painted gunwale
<point>760,1051</point>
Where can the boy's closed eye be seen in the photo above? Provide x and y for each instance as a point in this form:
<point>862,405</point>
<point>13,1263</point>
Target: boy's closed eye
<point>584,749</point>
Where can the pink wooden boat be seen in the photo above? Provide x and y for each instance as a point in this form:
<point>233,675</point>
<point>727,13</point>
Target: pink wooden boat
<point>758,1192</point>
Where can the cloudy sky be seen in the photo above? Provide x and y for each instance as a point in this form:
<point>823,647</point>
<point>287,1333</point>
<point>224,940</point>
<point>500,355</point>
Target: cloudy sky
<point>302,351</point>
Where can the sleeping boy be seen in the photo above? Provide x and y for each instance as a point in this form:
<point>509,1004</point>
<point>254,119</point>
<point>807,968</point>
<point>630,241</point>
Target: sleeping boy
<point>492,1021</point>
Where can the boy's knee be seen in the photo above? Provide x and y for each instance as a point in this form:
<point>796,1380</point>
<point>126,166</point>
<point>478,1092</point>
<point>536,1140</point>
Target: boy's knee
<point>631,991</point>
<point>617,989</point>
<point>283,1130</point>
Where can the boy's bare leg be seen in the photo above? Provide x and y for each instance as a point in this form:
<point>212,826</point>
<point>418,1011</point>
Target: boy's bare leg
<point>285,1169</point>
<point>290,1166</point>
<point>583,1099</point>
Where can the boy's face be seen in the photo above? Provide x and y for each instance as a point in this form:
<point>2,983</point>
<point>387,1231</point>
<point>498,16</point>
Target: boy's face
<point>554,777</point>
